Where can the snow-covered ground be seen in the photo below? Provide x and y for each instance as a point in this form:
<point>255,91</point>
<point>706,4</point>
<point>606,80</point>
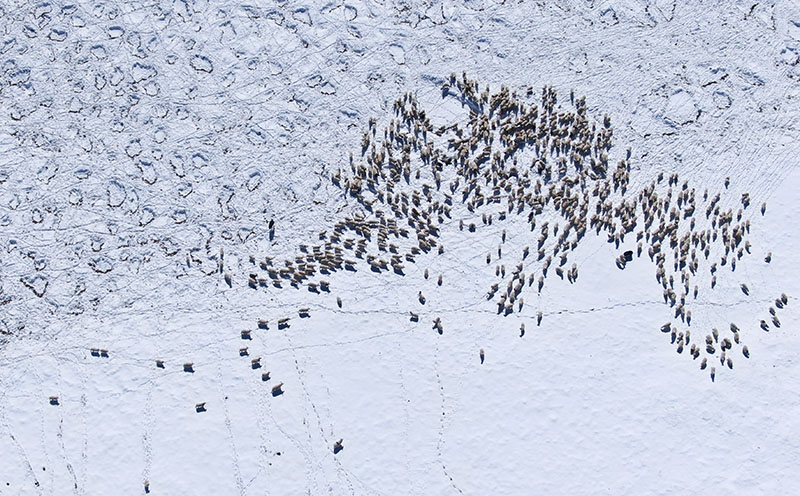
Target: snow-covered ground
<point>139,141</point>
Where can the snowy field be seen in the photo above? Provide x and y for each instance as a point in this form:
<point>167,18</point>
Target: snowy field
<point>390,248</point>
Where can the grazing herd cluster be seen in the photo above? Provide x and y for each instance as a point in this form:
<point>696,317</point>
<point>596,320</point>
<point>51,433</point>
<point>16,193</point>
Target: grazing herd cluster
<point>514,160</point>
<point>536,163</point>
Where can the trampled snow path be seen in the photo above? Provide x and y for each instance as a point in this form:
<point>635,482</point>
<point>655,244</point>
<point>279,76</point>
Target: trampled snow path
<point>137,137</point>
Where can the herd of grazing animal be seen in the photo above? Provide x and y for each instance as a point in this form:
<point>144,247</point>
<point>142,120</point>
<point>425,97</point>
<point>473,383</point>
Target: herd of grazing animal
<point>536,164</point>
<point>515,161</point>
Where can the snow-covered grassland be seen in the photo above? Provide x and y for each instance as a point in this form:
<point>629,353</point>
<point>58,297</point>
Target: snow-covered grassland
<point>154,155</point>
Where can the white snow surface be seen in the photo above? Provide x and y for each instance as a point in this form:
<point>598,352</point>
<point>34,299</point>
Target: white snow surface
<point>138,138</point>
